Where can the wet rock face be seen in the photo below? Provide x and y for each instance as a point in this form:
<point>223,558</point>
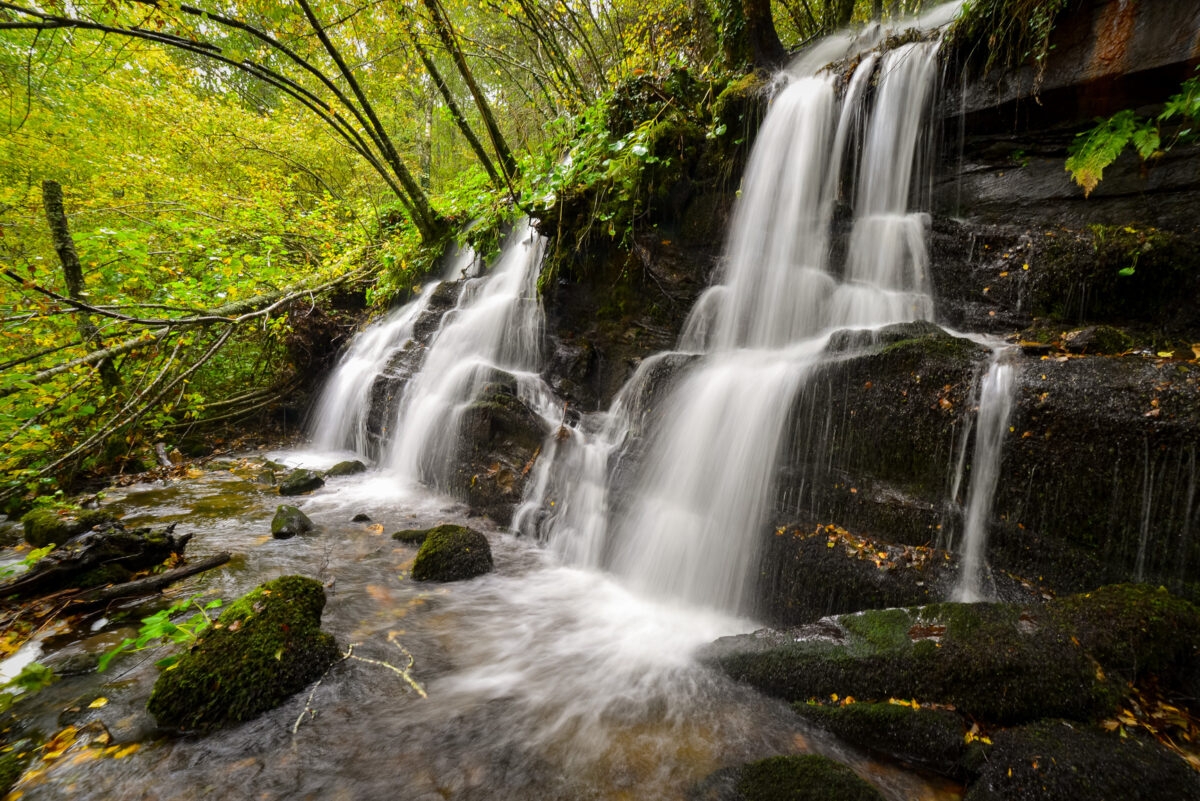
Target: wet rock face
<point>1099,478</point>
<point>874,433</point>
<point>347,468</point>
<point>499,439</point>
<point>452,553</point>
<point>1059,761</point>
<point>265,647</point>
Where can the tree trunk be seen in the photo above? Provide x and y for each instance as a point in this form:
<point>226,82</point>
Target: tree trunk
<point>455,112</point>
<point>441,25</point>
<point>837,14</point>
<point>56,217</point>
<point>766,51</point>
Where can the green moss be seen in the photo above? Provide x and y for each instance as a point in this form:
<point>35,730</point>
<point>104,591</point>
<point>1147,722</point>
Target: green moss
<point>265,647</point>
<point>347,468</point>
<point>57,524</point>
<point>742,99</point>
<point>452,553</point>
<point>929,738</point>
<point>103,575</point>
<point>11,767</point>
<point>411,536</point>
<point>802,778</point>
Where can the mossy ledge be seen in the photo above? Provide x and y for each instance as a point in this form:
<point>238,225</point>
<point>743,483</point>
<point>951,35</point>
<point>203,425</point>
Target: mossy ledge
<point>1002,663</point>
<point>804,777</point>
<point>265,647</point>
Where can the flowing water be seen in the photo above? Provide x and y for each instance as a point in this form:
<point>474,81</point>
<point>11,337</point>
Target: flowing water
<point>568,673</point>
<point>996,395</point>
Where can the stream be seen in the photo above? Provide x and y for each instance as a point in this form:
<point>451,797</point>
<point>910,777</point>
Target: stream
<point>543,680</point>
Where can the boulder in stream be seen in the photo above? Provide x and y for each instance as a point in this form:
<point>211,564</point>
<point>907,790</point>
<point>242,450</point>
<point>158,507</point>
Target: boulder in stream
<point>289,522</point>
<point>452,553</point>
<point>350,467</point>
<point>57,524</point>
<point>262,649</point>
<point>299,482</point>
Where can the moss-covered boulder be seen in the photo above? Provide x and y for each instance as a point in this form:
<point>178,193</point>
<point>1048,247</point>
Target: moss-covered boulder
<point>1003,663</point>
<point>786,778</point>
<point>932,739</point>
<point>1060,761</point>
<point>299,482</point>
<point>290,522</point>
<point>452,553</point>
<point>348,468</point>
<point>57,524</point>
<point>265,647</point>
<point>411,536</point>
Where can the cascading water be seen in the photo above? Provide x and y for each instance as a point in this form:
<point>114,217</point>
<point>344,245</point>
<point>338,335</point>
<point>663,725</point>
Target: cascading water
<point>996,395</point>
<point>340,419</point>
<point>700,491</point>
<point>494,331</point>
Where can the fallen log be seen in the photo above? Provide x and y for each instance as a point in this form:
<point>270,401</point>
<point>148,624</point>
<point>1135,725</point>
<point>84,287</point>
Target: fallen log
<point>143,586</point>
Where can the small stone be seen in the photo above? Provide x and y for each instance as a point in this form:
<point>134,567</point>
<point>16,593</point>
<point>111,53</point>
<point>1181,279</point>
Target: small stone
<point>348,468</point>
<point>289,522</point>
<point>360,518</point>
<point>299,482</point>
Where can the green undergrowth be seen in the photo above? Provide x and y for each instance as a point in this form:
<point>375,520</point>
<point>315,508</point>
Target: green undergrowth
<point>1001,34</point>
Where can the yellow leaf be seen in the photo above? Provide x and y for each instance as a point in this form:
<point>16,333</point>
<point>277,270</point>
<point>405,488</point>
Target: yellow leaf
<point>99,702</point>
<point>127,750</point>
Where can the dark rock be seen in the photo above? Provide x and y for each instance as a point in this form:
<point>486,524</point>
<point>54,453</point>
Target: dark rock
<point>1096,339</point>
<point>452,553</point>
<point>57,524</point>
<point>500,437</point>
<point>361,518</point>
<point>265,476</point>
<point>786,778</point>
<point>1003,663</point>
<point>290,522</point>
<point>299,482</point>
<point>411,536</point>
<point>1060,761</point>
<point>265,647</point>
<point>347,468</point>
<point>110,554</point>
<point>932,739</point>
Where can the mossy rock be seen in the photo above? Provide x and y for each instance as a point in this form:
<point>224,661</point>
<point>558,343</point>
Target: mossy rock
<point>348,468</point>
<point>452,553</point>
<point>1003,663</point>
<point>411,536</point>
<point>265,647</point>
<point>299,482</point>
<point>57,524</point>
<point>1058,761</point>
<point>802,778</point>
<point>1096,339</point>
<point>289,522</point>
<point>928,738</point>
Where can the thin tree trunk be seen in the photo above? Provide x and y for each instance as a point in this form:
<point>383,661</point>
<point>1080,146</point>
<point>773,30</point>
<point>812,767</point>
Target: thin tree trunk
<point>455,112</point>
<point>766,51</point>
<point>64,245</point>
<point>441,25</point>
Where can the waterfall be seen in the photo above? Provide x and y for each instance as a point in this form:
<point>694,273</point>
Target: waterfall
<point>996,395</point>
<point>493,333</point>
<point>695,499</point>
<point>339,420</point>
